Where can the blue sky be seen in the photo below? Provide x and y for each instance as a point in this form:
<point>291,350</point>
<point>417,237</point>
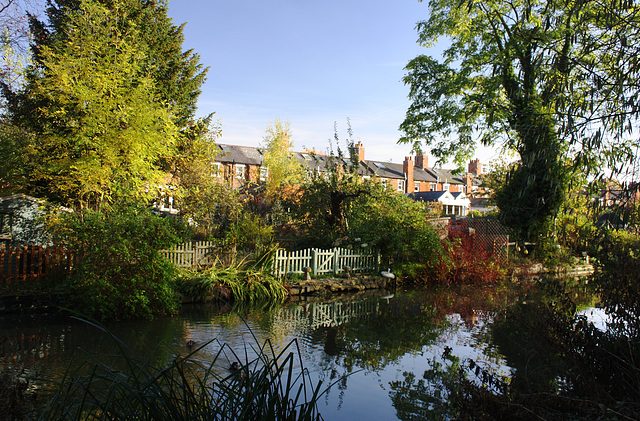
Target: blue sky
<point>307,62</point>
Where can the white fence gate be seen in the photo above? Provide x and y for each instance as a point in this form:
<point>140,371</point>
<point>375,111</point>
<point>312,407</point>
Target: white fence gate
<point>201,253</point>
<point>323,261</point>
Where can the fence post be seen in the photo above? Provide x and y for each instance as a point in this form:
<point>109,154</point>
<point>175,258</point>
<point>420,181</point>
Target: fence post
<point>336,257</point>
<point>314,260</point>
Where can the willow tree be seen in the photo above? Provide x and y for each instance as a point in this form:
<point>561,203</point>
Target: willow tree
<point>100,132</point>
<point>555,81</point>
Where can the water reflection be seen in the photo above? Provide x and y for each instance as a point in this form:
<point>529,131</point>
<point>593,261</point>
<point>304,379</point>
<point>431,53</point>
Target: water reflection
<point>370,343</point>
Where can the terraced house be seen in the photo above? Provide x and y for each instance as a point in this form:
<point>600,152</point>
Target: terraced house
<point>239,165</point>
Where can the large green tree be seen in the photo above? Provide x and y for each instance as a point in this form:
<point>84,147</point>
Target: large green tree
<point>556,81</point>
<point>100,130</point>
<point>177,75</point>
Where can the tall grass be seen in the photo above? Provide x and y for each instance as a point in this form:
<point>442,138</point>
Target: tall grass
<point>249,279</point>
<point>272,386</point>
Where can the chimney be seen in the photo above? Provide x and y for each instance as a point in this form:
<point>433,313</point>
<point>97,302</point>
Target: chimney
<point>407,169</point>
<point>422,160</point>
<point>360,151</point>
<point>475,167</point>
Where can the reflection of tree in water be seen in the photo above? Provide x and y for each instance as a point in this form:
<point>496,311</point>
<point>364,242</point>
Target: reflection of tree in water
<point>399,326</point>
<point>44,346</point>
<point>562,368</point>
<point>426,395</point>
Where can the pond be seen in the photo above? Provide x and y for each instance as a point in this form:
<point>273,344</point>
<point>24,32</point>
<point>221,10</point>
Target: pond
<point>369,344</point>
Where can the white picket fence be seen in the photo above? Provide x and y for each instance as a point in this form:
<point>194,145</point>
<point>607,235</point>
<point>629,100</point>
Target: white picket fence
<point>323,261</point>
<point>201,253</point>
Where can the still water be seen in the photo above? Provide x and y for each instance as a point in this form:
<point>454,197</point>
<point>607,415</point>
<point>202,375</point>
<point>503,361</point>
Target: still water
<point>364,344</point>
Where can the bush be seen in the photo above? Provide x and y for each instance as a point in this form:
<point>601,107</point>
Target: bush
<point>398,227</point>
<point>118,271</point>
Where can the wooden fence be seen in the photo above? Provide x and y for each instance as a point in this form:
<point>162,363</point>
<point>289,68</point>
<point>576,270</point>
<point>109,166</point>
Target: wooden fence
<point>323,261</point>
<point>24,267</point>
<point>200,253</point>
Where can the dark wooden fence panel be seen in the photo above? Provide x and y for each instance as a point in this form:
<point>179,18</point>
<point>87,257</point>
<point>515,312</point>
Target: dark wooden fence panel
<point>30,266</point>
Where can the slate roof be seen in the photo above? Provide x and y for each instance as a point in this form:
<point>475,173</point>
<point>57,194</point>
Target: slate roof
<point>420,174</point>
<point>428,196</point>
<point>240,154</point>
<point>445,176</point>
<point>481,204</point>
<point>383,169</point>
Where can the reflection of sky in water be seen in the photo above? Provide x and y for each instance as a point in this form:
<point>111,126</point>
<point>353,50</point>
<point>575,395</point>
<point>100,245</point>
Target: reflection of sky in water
<point>365,394</point>
<point>597,316</point>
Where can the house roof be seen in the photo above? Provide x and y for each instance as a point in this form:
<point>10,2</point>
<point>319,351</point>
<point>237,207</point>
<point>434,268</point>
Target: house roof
<point>383,169</point>
<point>421,174</point>
<point>446,176</point>
<point>481,204</point>
<point>240,154</point>
<point>430,196</point>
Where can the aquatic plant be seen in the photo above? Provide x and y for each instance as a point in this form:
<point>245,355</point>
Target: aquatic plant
<point>272,386</point>
<point>249,279</point>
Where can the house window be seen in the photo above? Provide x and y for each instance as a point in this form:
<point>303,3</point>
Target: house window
<point>240,171</point>
<point>365,177</point>
<point>264,173</point>
<point>383,181</point>
<point>416,186</point>
<point>432,187</point>
<point>445,187</point>
<point>401,185</point>
<point>216,170</point>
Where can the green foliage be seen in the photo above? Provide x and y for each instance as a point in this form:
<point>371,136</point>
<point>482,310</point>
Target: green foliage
<point>617,281</point>
<point>177,75</point>
<point>14,143</point>
<point>246,280</point>
<point>285,172</point>
<point>541,79</point>
<point>396,226</point>
<point>118,272</point>
<point>249,232</point>
<point>207,204</point>
<point>266,388</point>
<point>575,224</point>
<point>99,129</point>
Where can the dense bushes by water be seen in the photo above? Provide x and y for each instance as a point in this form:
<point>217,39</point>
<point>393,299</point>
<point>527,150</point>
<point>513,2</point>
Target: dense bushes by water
<point>118,272</point>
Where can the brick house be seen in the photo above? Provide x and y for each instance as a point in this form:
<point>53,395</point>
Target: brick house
<point>239,165</point>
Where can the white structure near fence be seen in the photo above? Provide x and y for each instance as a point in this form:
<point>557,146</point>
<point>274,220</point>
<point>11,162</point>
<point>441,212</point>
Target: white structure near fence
<point>192,254</point>
<point>323,261</point>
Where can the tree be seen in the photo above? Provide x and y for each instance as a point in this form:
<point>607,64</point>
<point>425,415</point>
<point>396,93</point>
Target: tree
<point>555,81</point>
<point>14,37</point>
<point>100,131</point>
<point>284,169</point>
<point>178,75</point>
<point>326,196</point>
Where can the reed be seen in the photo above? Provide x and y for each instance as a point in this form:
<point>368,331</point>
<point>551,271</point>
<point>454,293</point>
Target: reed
<point>249,279</point>
<point>272,386</point>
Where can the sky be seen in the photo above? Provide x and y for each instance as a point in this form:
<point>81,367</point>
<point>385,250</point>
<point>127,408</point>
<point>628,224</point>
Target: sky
<point>311,63</point>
